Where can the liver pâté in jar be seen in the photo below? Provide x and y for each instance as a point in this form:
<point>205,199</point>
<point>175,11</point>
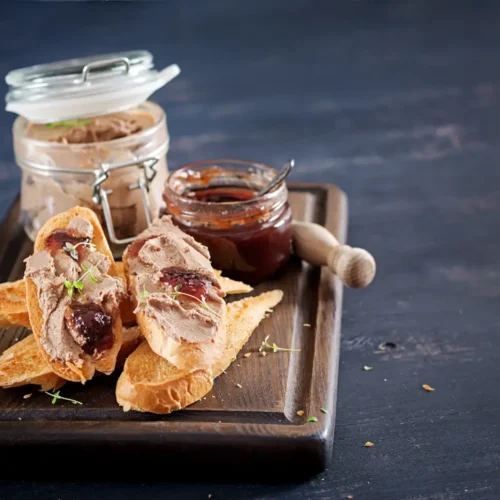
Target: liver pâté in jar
<point>87,135</point>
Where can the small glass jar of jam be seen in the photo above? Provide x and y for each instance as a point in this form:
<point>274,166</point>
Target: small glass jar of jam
<point>216,202</point>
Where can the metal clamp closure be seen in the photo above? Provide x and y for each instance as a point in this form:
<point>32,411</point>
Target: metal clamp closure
<point>100,195</point>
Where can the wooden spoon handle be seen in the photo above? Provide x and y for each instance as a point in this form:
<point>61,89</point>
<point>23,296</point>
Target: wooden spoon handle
<point>315,244</point>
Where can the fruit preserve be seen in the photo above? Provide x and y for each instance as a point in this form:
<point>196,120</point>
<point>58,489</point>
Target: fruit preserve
<point>216,202</point>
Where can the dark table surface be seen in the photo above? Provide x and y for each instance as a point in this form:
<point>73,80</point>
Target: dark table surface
<point>397,103</point>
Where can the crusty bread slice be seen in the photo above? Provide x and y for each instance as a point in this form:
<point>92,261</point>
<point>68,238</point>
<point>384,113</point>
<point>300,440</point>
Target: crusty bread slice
<point>13,308</point>
<point>150,383</point>
<point>68,370</point>
<point>14,311</point>
<point>165,245</point>
<point>24,364</point>
<point>231,287</point>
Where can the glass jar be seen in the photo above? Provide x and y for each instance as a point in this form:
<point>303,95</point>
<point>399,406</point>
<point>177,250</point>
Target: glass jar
<point>249,237</point>
<point>88,136</point>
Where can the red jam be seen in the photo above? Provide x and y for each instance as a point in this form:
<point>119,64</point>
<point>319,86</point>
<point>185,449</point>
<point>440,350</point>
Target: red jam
<point>251,244</point>
<point>59,237</point>
<point>90,326</point>
<point>187,281</point>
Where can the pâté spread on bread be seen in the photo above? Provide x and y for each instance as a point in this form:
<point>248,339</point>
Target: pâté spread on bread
<point>180,304</point>
<point>77,296</point>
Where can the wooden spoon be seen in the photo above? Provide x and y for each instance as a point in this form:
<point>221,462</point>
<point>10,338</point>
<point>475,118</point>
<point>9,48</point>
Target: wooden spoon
<point>316,245</point>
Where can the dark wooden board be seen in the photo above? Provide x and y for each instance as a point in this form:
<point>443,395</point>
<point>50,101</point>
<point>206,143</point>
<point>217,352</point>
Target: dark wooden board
<point>254,425</point>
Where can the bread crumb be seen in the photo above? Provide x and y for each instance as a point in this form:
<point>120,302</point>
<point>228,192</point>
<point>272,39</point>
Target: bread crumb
<point>247,355</point>
<point>349,497</point>
<point>239,386</point>
<point>263,353</point>
<point>368,444</point>
<point>428,388</point>
<point>19,418</point>
<point>238,365</point>
<point>213,397</point>
<point>26,396</point>
<point>300,413</point>
<point>306,324</point>
<point>210,495</point>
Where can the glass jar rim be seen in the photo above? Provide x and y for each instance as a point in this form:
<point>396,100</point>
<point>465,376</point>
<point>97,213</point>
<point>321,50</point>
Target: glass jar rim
<point>268,198</point>
<point>159,120</point>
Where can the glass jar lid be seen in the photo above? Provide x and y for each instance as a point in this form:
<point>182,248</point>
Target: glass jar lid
<point>85,87</point>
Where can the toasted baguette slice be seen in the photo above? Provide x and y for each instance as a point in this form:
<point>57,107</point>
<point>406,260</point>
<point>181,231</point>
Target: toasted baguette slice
<point>24,364</point>
<point>188,334</point>
<point>13,308</point>
<point>67,369</point>
<point>231,287</point>
<point>150,383</point>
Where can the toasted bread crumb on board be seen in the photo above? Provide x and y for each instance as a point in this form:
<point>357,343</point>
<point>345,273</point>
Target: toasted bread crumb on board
<point>239,386</point>
<point>247,355</point>
<point>368,444</point>
<point>27,396</point>
<point>300,413</point>
<point>428,388</point>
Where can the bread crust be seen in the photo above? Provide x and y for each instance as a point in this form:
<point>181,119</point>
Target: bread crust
<point>106,362</point>
<point>13,308</point>
<point>23,363</point>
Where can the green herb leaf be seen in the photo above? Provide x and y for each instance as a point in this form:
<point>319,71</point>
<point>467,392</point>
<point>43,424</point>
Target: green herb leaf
<point>367,368</point>
<point>265,345</point>
<point>78,285</point>
<point>85,268</point>
<point>312,419</point>
<point>57,396</point>
<point>70,293</point>
<point>144,294</point>
<point>68,284</point>
<point>93,278</point>
<point>323,410</point>
<point>68,123</point>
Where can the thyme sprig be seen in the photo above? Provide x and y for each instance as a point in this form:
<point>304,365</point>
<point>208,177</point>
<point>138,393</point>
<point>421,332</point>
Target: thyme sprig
<point>78,284</point>
<point>265,345</point>
<point>177,291</point>
<point>71,249</point>
<point>56,396</point>
<point>202,301</point>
